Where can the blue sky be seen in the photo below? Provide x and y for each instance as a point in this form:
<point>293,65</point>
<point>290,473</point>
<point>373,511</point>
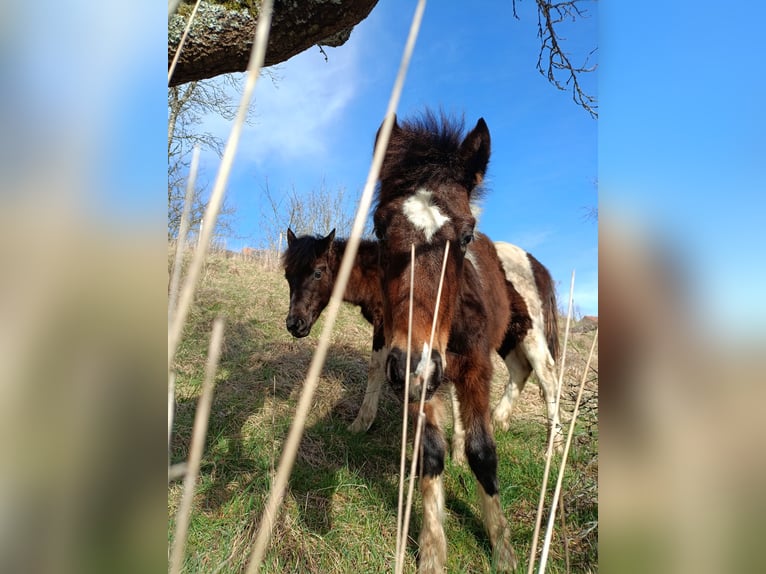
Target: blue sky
<point>682,145</point>
<point>316,125</point>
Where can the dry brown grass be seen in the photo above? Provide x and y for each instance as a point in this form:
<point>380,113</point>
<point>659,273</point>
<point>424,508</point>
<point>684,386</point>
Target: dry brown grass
<point>340,506</point>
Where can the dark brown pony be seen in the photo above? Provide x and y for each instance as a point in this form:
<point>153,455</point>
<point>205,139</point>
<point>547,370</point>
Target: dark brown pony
<point>311,264</point>
<point>430,177</point>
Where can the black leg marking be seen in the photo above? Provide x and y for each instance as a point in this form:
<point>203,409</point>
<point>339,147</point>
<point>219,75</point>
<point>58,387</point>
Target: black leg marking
<point>482,458</point>
<point>378,339</point>
<point>434,447</point>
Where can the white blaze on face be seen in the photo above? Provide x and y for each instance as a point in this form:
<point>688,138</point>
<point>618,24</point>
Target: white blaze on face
<point>425,366</point>
<point>423,214</point>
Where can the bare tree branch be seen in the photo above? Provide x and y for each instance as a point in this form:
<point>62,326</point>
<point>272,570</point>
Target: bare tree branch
<point>222,33</point>
<point>553,62</point>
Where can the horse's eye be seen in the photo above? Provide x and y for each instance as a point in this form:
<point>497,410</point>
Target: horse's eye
<point>380,233</point>
<point>317,274</point>
<point>466,239</point>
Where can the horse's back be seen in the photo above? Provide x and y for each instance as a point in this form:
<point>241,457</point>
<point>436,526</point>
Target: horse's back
<point>533,282</point>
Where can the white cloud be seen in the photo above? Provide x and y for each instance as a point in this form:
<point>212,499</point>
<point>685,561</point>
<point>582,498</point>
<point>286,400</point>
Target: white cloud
<point>529,240</point>
<point>294,115</point>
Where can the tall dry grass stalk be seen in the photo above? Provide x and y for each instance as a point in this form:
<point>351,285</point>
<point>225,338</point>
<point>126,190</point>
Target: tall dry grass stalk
<point>183,231</point>
<point>276,493</point>
<point>172,5</point>
<point>183,40</point>
<point>171,407</point>
<point>421,415</point>
<point>179,314</point>
<point>216,197</point>
<point>560,479</point>
<point>549,451</point>
<point>197,446</point>
<point>399,565</point>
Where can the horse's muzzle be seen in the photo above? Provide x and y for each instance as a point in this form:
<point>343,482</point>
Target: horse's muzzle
<point>297,326</point>
<point>430,374</point>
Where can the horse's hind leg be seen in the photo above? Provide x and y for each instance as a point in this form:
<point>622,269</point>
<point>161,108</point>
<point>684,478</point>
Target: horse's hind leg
<point>458,432</point>
<point>432,543</point>
<point>376,375</point>
<point>518,372</point>
<point>542,362</point>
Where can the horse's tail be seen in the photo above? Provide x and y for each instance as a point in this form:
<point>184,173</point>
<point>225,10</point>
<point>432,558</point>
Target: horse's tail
<point>547,293</point>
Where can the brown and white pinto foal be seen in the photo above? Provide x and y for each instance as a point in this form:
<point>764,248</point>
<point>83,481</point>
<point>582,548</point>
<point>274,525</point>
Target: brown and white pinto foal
<point>430,176</point>
<point>311,264</point>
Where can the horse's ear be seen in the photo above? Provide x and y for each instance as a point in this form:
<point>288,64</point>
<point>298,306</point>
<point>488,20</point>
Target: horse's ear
<point>325,244</point>
<point>474,151</point>
<point>394,130</point>
<point>290,237</point>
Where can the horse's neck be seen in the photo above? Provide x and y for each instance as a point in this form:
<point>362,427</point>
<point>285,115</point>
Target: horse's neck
<point>363,276</point>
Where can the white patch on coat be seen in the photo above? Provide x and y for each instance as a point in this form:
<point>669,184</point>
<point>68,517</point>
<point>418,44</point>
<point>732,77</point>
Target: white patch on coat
<point>519,272</point>
<point>425,365</point>
<point>423,214</point>
<point>533,353</point>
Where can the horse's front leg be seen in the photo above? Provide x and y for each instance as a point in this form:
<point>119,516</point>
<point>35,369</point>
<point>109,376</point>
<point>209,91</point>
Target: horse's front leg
<point>481,452</point>
<point>376,376</point>
<point>432,542</point>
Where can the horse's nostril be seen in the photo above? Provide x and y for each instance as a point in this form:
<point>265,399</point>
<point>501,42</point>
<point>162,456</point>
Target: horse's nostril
<point>298,326</point>
<point>395,368</point>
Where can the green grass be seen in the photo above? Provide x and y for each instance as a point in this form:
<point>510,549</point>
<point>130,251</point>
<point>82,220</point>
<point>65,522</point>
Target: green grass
<point>339,513</point>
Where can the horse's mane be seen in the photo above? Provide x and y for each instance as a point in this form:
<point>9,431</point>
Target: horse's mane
<point>425,149</point>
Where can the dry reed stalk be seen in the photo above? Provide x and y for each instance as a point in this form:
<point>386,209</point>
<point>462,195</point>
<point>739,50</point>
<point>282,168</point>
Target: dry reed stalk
<point>171,407</point>
<point>421,413</point>
<point>172,5</point>
<point>197,446</point>
<point>399,565</point>
<point>560,479</point>
<point>549,452</point>
<point>173,296</point>
<point>183,40</point>
<point>183,230</point>
<point>564,533</point>
<point>216,197</point>
<point>276,493</point>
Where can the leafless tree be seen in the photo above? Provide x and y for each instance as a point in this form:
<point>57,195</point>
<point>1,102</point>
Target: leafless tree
<point>187,105</point>
<point>313,212</point>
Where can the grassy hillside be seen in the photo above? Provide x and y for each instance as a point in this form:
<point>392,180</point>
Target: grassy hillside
<point>340,509</point>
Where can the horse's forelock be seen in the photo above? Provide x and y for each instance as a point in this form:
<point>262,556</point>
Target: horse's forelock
<point>424,150</point>
<point>300,253</point>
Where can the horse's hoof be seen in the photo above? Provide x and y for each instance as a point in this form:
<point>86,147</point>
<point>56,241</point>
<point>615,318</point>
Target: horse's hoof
<point>504,557</point>
<point>432,558</point>
<point>502,422</point>
<point>359,425</point>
